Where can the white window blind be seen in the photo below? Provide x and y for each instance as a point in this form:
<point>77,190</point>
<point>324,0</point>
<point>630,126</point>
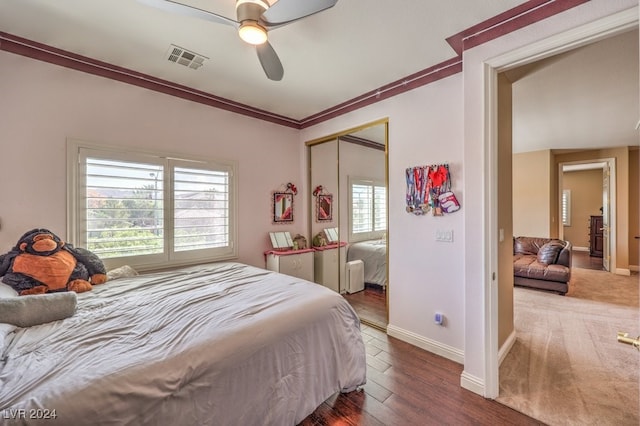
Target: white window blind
<point>380,208</point>
<point>566,207</point>
<point>201,208</point>
<point>124,214</point>
<point>361,208</point>
<point>368,209</point>
<point>148,210</point>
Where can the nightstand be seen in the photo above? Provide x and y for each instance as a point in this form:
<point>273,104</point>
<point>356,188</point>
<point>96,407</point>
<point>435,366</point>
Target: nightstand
<point>329,265</point>
<point>297,263</point>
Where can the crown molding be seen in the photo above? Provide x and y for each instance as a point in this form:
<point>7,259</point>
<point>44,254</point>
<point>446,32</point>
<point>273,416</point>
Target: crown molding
<point>511,20</point>
<point>362,142</point>
<point>46,53</point>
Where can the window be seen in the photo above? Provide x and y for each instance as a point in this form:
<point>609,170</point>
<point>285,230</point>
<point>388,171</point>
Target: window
<point>368,209</point>
<point>566,207</point>
<point>151,210</point>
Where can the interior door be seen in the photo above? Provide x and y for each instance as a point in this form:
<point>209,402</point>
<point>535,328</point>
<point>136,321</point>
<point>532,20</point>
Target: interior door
<point>606,250</point>
<point>362,176</point>
<point>333,160</point>
<point>323,182</point>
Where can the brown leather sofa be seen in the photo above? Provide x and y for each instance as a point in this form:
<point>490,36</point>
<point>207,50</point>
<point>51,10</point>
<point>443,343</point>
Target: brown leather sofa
<point>542,263</point>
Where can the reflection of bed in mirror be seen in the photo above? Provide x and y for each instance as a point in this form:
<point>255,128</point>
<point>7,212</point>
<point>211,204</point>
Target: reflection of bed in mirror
<point>373,254</point>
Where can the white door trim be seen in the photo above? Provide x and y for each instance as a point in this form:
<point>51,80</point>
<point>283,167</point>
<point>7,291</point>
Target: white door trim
<point>612,202</point>
<point>568,40</point>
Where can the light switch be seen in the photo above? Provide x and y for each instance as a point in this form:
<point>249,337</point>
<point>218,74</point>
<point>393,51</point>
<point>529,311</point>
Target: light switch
<point>444,235</point>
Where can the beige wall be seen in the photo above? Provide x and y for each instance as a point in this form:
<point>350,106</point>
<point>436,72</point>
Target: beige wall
<point>532,189</point>
<point>505,216</point>
<point>621,156</point>
<point>534,215</point>
<point>586,200</point>
<point>634,208</point>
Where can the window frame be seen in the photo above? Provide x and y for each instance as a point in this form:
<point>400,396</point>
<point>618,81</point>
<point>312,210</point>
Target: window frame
<point>372,234</point>
<point>565,207</point>
<point>76,214</point>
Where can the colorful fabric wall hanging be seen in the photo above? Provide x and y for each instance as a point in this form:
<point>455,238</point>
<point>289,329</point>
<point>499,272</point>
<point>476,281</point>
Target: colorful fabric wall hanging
<point>429,188</point>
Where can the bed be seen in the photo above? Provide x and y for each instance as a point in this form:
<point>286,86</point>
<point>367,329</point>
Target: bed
<point>222,343</point>
<point>373,254</point>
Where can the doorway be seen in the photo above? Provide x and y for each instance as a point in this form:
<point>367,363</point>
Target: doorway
<point>578,37</point>
<point>588,191</point>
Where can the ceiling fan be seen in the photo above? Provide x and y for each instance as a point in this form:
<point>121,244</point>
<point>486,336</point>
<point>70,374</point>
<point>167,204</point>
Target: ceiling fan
<point>254,19</point>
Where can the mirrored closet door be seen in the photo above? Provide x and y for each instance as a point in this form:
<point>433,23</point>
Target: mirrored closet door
<point>348,223</point>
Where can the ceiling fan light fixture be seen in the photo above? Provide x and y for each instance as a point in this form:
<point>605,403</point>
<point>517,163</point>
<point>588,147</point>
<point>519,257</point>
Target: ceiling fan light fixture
<point>263,4</point>
<point>252,33</point>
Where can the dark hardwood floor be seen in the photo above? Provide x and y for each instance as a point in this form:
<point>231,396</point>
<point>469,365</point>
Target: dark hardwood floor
<point>582,259</point>
<point>370,304</point>
<point>410,386</point>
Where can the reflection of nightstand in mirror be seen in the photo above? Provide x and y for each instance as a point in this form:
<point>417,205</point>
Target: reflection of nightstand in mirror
<point>329,264</point>
<point>297,263</point>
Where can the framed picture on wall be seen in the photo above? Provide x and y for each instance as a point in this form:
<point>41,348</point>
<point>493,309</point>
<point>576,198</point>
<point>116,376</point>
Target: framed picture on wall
<point>282,207</point>
<point>324,208</point>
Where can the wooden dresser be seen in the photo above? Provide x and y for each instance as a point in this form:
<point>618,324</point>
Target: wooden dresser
<point>595,236</point>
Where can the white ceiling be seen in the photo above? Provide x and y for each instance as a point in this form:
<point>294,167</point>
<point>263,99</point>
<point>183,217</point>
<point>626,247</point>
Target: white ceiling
<point>586,98</point>
<point>331,57</point>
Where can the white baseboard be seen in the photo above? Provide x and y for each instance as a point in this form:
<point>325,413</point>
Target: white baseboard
<point>438,348</point>
<point>476,384</point>
<point>506,347</point>
<point>467,381</point>
<point>634,268</point>
<point>576,248</point>
<point>472,383</point>
<point>623,271</point>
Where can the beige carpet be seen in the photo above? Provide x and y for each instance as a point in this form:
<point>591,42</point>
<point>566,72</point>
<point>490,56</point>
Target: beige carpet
<point>566,366</point>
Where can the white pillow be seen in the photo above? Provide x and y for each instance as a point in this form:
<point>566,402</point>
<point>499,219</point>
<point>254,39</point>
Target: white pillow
<point>36,309</point>
<point>7,291</point>
<point>124,271</point>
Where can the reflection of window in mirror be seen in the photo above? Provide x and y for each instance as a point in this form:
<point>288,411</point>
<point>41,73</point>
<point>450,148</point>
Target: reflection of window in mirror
<point>368,209</point>
<point>332,235</point>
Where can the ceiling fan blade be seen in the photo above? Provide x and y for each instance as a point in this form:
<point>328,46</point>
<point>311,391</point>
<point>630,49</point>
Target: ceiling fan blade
<point>285,11</point>
<point>194,12</point>
<point>270,62</point>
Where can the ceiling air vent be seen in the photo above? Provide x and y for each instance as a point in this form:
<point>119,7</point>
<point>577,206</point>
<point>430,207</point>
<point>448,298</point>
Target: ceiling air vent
<point>185,57</point>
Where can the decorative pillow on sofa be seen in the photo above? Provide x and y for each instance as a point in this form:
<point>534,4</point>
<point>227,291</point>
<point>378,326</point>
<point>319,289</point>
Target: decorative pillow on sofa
<point>549,252</point>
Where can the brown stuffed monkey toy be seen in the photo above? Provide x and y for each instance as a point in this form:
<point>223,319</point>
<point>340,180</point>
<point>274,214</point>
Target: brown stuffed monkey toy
<point>42,263</point>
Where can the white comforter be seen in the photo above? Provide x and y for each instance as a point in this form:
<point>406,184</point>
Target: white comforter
<point>219,344</point>
<point>373,254</point>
